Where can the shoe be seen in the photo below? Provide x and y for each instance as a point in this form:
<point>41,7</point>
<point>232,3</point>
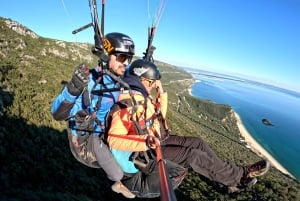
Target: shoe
<point>250,173</point>
<point>256,170</point>
<point>245,183</point>
<point>118,187</point>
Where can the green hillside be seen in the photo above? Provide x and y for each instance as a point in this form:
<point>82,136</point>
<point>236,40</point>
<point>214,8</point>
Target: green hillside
<point>35,160</point>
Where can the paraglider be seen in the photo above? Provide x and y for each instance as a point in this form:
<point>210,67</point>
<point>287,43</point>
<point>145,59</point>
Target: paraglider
<point>166,189</point>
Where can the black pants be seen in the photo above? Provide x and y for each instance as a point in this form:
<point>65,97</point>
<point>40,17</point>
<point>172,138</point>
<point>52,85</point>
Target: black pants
<point>147,184</point>
<point>193,152</point>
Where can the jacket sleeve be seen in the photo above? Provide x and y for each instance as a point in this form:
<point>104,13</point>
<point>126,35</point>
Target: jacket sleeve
<point>62,105</point>
<point>122,135</point>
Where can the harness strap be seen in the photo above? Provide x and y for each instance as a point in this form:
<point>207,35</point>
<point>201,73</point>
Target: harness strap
<point>127,137</point>
<point>89,116</point>
<point>140,163</point>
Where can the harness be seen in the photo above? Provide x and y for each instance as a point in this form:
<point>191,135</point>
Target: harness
<point>143,159</point>
<point>85,121</point>
<point>85,124</point>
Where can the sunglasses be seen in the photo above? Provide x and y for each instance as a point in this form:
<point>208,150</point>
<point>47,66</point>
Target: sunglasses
<point>123,57</point>
<point>151,82</point>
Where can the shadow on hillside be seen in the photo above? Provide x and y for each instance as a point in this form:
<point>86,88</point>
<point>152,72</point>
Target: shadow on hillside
<point>36,164</point>
<point>6,100</point>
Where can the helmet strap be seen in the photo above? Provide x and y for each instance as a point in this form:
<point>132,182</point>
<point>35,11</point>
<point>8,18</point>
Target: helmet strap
<point>103,63</point>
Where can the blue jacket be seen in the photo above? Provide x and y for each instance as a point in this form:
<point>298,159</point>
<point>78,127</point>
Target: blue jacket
<point>107,100</point>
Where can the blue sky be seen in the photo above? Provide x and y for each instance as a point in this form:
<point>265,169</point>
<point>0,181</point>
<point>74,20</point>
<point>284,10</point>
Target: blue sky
<point>256,39</point>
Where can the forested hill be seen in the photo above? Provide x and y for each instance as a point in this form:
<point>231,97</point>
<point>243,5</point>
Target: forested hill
<point>35,161</point>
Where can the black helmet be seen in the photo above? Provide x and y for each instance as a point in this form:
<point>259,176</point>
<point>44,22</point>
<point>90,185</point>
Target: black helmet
<point>144,68</point>
<point>118,43</point>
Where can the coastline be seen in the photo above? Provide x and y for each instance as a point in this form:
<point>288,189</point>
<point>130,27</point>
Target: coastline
<point>257,148</point>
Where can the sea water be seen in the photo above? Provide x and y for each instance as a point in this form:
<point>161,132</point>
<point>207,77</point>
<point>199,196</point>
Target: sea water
<point>254,102</point>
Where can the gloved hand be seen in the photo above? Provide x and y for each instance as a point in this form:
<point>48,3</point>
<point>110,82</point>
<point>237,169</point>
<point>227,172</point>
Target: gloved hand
<point>79,80</point>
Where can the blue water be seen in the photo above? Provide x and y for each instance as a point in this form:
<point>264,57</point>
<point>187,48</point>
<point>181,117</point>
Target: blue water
<point>253,103</point>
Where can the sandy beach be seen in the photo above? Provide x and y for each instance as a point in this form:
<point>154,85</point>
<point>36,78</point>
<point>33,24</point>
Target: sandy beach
<point>257,148</point>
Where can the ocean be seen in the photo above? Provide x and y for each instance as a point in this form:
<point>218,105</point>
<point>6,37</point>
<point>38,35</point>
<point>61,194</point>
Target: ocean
<point>254,101</point>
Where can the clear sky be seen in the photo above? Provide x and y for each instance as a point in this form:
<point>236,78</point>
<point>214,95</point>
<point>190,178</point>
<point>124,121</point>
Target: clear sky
<point>258,39</point>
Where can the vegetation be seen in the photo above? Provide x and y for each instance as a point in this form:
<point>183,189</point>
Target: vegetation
<point>35,161</point>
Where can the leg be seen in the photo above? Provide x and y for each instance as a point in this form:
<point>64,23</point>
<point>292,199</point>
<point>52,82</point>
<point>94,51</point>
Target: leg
<point>110,166</point>
<point>106,160</point>
<point>195,153</point>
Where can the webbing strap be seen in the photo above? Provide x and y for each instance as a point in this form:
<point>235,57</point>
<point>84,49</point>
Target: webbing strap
<point>127,137</point>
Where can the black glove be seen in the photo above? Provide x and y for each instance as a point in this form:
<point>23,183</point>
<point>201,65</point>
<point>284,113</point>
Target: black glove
<point>79,80</point>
